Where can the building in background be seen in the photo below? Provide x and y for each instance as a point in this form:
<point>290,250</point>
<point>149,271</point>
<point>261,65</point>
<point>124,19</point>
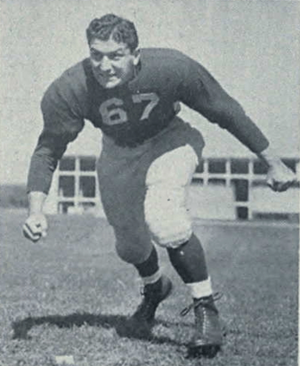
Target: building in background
<point>222,189</point>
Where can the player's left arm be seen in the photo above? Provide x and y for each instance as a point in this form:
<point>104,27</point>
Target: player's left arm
<point>204,94</point>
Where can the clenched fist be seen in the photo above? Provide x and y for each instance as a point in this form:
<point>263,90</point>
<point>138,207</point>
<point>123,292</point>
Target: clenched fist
<point>280,177</point>
<point>35,227</point>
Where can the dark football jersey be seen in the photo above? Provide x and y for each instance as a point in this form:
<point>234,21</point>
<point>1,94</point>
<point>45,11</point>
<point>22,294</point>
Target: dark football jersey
<point>134,112</point>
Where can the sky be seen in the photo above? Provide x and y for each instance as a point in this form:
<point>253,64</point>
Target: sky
<point>251,47</point>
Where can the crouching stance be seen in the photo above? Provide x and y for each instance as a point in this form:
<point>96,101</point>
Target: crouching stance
<point>144,193</point>
<point>148,158</point>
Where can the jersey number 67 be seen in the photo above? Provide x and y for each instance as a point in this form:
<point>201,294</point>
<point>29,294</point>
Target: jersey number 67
<point>112,112</point>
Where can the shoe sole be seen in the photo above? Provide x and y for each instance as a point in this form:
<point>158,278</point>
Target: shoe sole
<point>203,351</point>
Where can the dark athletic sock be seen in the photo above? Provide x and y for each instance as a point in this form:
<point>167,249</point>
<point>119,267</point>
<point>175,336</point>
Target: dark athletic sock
<point>189,261</point>
<point>150,266</point>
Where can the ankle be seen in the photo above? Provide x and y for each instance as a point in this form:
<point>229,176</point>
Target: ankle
<point>149,267</point>
<point>200,289</point>
<point>152,279</point>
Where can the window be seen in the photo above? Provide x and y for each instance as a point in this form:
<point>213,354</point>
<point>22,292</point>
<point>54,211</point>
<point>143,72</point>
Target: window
<point>242,213</point>
<point>87,186</point>
<point>67,164</point>
<point>200,167</point>
<point>87,164</point>
<point>239,166</point>
<point>259,167</point>
<point>216,166</point>
<point>217,182</point>
<point>66,186</point>
<point>197,181</point>
<point>241,189</point>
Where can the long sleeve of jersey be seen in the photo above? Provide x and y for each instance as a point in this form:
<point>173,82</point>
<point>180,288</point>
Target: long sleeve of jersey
<point>61,126</point>
<point>201,92</point>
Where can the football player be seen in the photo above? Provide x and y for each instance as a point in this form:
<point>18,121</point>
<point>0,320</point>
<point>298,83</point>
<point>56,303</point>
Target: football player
<point>148,158</point>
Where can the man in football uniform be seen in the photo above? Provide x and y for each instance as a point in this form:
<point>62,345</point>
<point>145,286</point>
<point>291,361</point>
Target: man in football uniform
<point>148,158</point>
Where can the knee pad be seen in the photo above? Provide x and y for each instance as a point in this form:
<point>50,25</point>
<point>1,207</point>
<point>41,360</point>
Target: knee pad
<point>167,217</point>
<point>133,245</point>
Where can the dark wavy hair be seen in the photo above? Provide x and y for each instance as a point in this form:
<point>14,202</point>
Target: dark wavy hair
<point>121,30</point>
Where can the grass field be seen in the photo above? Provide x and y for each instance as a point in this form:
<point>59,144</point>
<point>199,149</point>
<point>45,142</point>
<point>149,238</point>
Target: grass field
<point>69,295</point>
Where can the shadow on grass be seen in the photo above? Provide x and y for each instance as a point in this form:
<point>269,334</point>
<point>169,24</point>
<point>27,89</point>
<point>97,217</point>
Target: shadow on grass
<point>122,324</point>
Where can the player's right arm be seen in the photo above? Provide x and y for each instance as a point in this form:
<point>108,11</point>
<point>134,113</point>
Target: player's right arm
<point>36,225</point>
<point>62,123</point>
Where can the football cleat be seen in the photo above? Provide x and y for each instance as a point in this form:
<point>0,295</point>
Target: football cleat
<point>140,324</point>
<point>153,295</point>
<point>208,337</point>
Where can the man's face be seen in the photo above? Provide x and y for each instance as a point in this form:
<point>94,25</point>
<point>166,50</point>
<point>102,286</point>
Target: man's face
<point>113,63</point>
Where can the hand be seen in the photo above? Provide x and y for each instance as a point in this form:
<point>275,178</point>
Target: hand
<point>35,227</point>
<point>280,177</point>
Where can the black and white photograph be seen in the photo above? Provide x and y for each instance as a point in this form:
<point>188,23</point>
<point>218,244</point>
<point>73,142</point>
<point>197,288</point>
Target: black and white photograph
<point>149,182</point>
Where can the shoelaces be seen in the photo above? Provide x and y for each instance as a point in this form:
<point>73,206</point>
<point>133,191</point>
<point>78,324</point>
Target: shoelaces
<point>200,302</point>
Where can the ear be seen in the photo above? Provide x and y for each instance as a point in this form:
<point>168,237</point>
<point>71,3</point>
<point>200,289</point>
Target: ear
<point>137,55</point>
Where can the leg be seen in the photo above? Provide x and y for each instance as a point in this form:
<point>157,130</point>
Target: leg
<point>189,262</point>
<point>122,187</point>
<point>170,226</point>
<point>122,196</point>
<point>157,288</point>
